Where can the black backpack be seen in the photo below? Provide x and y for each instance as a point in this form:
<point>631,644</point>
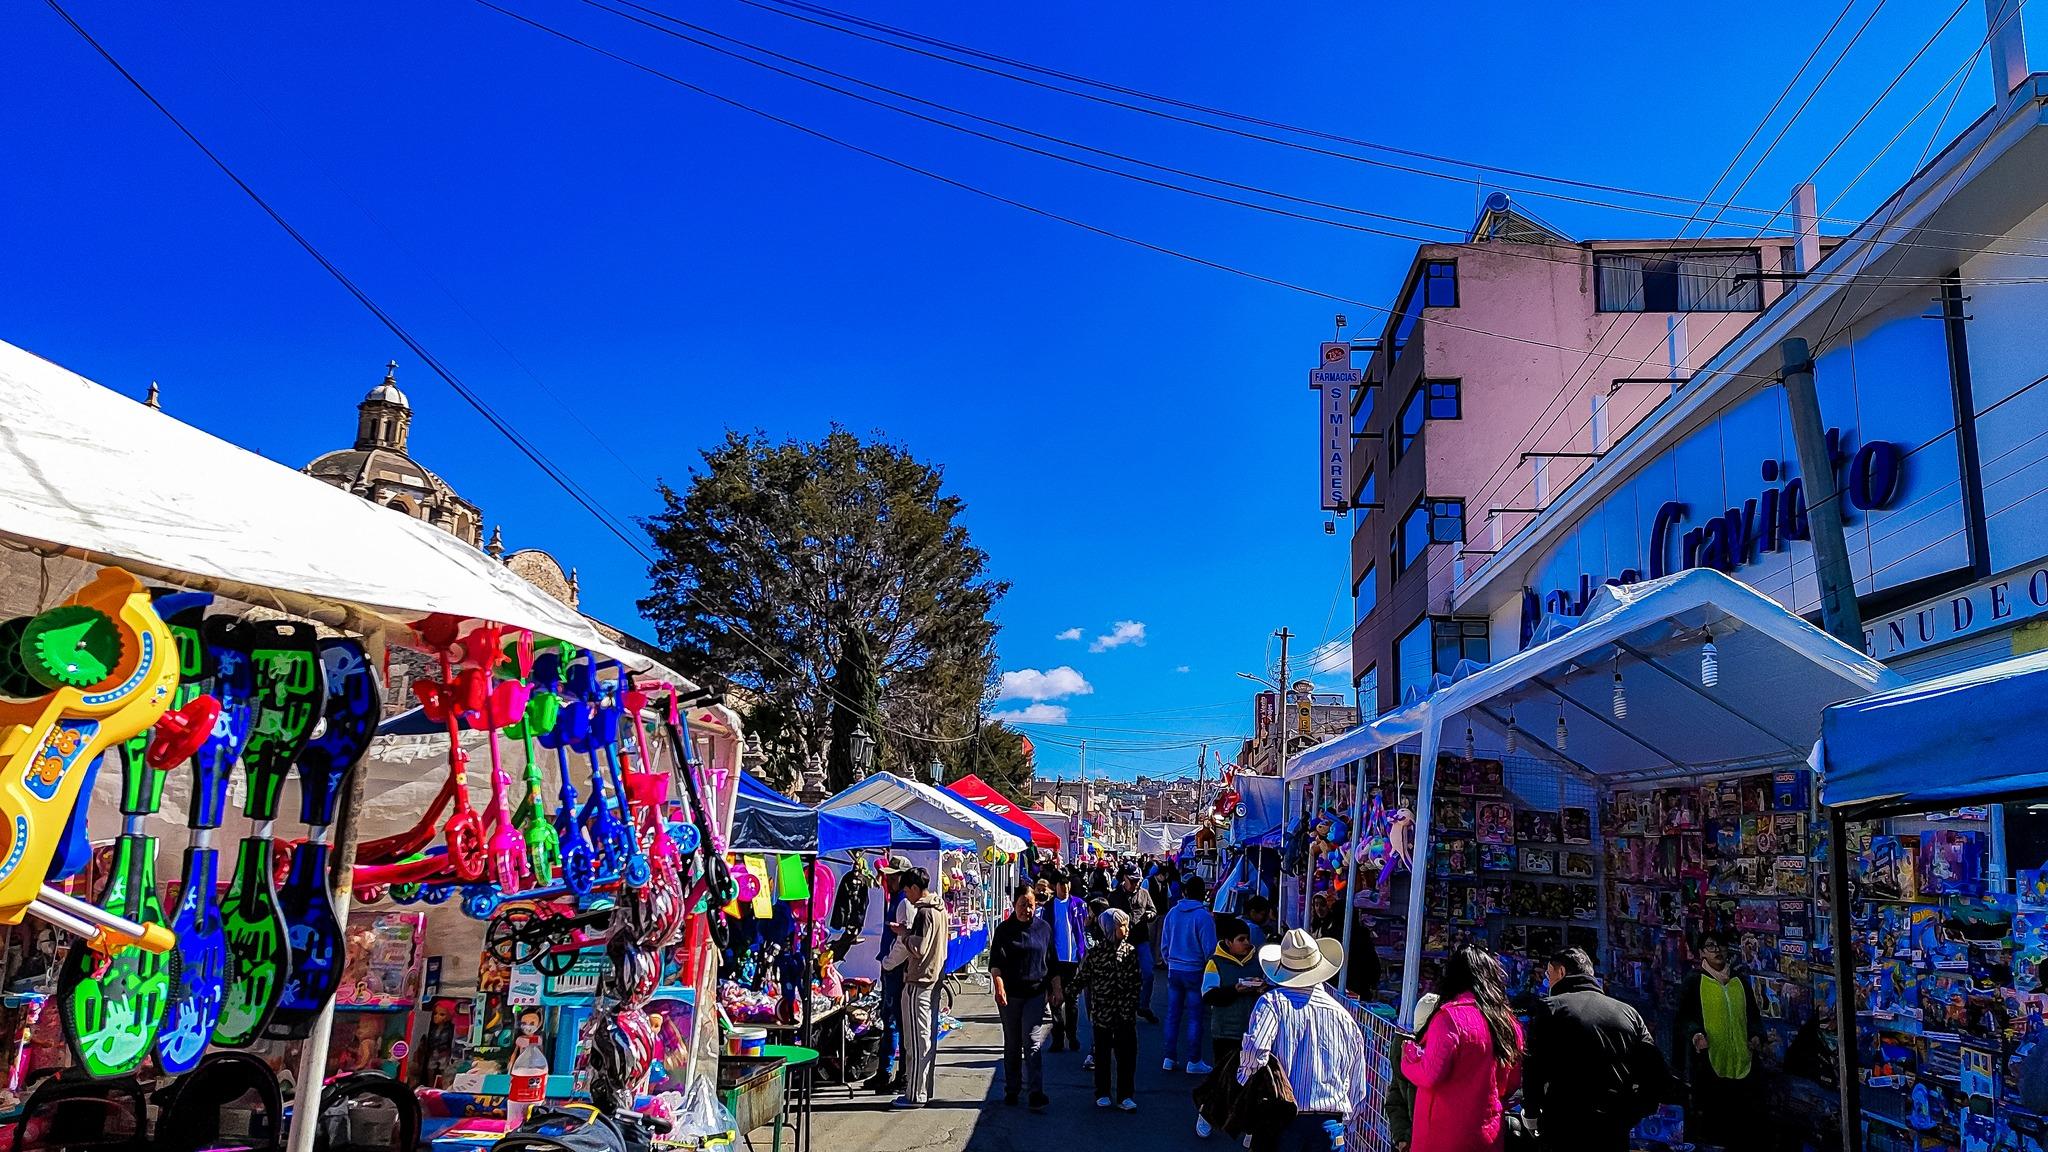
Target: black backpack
<point>582,1129</point>
<point>367,1112</point>
<point>190,1110</point>
<point>83,1116</point>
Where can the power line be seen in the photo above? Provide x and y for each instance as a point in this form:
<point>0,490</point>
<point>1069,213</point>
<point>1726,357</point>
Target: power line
<point>526,448</point>
<point>988,194</point>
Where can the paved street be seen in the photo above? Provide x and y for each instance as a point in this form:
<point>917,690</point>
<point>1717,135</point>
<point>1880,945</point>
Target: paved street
<point>969,1111</point>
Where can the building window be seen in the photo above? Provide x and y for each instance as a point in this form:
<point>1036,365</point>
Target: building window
<point>1367,492</point>
<point>1446,521</point>
<point>1365,595</point>
<point>1411,658</point>
<point>1411,537</point>
<point>1368,686</point>
<point>1443,402</point>
<point>1677,282</point>
<point>1456,640</point>
<point>1361,407</point>
<point>1410,427</point>
<point>1440,284</point>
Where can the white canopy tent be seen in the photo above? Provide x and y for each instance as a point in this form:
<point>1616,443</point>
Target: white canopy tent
<point>87,472</point>
<point>930,807</point>
<point>1776,673</point>
<point>1162,837</point>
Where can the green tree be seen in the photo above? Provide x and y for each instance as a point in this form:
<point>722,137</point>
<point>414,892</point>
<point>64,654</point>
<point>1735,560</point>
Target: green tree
<point>822,573</point>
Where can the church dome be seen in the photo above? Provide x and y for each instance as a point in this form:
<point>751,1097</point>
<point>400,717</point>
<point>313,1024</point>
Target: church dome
<point>387,393</point>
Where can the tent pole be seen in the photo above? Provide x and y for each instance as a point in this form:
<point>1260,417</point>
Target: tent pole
<point>1847,1084</point>
<point>312,1074</point>
<point>1425,799</point>
<point>1351,859</point>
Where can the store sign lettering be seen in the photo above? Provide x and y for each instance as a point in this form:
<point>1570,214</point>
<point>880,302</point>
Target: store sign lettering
<point>1993,603</point>
<point>1869,479</point>
<point>1775,517</point>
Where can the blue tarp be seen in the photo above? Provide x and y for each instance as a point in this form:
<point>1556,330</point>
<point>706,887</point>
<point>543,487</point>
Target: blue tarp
<point>1010,826</point>
<point>765,820</point>
<point>1260,796</point>
<point>908,833</point>
<point>1959,737</point>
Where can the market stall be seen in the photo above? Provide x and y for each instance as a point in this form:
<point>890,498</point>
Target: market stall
<point>1934,794</point>
<point>268,647</point>
<point>978,878</point>
<point>1635,777</point>
<point>976,791</point>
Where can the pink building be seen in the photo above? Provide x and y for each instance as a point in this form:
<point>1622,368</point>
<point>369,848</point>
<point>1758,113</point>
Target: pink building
<point>1511,362</point>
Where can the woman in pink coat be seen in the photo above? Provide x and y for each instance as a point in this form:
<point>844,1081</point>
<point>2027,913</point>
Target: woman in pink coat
<point>1468,1059</point>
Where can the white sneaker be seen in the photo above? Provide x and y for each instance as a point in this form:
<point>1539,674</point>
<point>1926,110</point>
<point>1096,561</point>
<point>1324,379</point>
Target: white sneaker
<point>1128,1105</point>
<point>1166,1065</point>
<point>1088,1065</point>
<point>1198,1068</point>
<point>1104,1102</point>
<point>1202,1128</point>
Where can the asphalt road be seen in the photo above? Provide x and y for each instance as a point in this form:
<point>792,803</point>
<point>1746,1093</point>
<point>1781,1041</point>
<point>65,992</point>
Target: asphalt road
<point>968,1114</point>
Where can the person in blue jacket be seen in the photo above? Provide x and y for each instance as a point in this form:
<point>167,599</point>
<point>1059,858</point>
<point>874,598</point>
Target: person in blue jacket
<point>1188,938</point>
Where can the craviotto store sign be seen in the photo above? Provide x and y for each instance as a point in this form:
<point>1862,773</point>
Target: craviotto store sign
<point>1999,602</point>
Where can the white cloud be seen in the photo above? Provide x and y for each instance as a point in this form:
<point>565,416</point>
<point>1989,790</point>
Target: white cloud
<point>1051,684</point>
<point>1181,668</point>
<point>1334,656</point>
<point>1125,632</point>
<point>1032,714</point>
<point>1069,634</point>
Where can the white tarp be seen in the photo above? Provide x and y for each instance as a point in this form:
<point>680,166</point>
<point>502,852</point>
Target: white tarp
<point>929,807</point>
<point>1776,675</point>
<point>90,472</point>
<point>1161,838</point>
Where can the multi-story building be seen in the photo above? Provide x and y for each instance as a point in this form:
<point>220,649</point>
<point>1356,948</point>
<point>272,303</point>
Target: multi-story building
<point>1928,362</point>
<point>1511,362</point>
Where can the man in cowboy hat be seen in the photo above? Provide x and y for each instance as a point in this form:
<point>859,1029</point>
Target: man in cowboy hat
<point>895,909</point>
<point>1312,1036</point>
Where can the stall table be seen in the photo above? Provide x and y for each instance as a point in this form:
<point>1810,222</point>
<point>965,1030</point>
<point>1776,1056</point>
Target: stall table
<point>755,1092</point>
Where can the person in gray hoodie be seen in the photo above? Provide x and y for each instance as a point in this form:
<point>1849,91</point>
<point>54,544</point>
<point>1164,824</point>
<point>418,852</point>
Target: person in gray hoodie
<point>1188,938</point>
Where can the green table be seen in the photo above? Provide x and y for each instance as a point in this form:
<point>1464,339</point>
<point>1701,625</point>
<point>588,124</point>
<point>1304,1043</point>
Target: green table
<point>755,1092</point>
<point>799,1061</point>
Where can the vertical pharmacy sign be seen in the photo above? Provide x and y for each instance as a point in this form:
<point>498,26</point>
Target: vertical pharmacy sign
<point>1335,378</point>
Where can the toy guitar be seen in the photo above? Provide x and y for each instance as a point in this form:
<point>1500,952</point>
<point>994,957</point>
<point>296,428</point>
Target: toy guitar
<point>111,1007</point>
<point>104,667</point>
<point>354,702</point>
<point>289,700</point>
<point>194,1008</point>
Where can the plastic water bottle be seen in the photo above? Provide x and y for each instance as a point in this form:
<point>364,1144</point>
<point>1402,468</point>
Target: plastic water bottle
<point>529,1074</point>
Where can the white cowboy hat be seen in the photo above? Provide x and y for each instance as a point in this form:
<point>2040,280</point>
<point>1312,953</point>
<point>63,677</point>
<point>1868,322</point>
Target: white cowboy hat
<point>1300,960</point>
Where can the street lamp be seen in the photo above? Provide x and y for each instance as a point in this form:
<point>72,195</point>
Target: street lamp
<point>754,753</point>
<point>938,771</point>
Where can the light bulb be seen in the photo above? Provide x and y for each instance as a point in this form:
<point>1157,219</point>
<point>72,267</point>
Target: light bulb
<point>1710,663</point>
<point>1620,699</point>
<point>1471,748</point>
<point>1509,744</point>
<point>1562,734</point>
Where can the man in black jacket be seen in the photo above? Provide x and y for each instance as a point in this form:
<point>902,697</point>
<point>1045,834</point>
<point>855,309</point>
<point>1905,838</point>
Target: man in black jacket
<point>1592,1069</point>
<point>1136,903</point>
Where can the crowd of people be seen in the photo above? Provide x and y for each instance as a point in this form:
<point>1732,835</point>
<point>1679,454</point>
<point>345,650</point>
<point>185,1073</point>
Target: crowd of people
<point>1254,1014</point>
<point>1258,1019</point>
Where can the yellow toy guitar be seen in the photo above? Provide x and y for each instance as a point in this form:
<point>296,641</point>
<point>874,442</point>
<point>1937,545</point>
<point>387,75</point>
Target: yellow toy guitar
<point>106,665</point>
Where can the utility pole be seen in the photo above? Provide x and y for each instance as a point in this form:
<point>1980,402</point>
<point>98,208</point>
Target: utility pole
<point>1280,757</point>
<point>1838,609</point>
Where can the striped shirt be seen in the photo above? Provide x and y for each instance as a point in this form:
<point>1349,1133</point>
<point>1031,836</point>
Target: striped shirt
<point>1317,1043</point>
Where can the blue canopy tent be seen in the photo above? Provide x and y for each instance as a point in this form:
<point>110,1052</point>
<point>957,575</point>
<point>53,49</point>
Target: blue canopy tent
<point>1930,745</point>
<point>1258,821</point>
<point>909,834</point>
<point>765,820</point>
<point>1007,825</point>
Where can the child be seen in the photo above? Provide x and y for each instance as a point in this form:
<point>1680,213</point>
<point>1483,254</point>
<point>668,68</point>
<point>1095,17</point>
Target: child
<point>1231,983</point>
<point>1110,976</point>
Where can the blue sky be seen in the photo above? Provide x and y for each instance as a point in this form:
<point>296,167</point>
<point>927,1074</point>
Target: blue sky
<point>1131,432</point>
